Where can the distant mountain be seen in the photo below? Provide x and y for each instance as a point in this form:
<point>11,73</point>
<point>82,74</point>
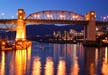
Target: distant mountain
<point>41,30</point>
<point>7,35</point>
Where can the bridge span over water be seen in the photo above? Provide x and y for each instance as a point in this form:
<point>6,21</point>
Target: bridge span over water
<point>44,21</point>
<point>55,17</point>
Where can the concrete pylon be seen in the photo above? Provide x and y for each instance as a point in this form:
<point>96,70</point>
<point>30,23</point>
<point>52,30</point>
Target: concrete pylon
<point>21,27</point>
<point>90,29</point>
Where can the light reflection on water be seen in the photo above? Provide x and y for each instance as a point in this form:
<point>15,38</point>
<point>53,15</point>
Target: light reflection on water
<point>49,66</point>
<point>61,67</point>
<point>75,67</point>
<point>2,64</point>
<point>14,62</point>
<point>36,69</point>
<point>55,59</point>
<point>20,62</point>
<point>105,63</point>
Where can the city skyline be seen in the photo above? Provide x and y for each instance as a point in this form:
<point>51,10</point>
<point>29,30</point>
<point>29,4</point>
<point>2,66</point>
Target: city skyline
<point>8,9</point>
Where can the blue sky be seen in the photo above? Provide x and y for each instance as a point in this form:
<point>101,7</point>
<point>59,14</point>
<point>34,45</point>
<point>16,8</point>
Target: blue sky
<point>9,7</point>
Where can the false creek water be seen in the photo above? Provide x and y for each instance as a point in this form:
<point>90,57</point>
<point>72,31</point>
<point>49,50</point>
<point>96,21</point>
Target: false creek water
<point>55,59</point>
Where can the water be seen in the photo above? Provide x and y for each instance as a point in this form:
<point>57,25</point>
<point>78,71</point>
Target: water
<point>55,59</point>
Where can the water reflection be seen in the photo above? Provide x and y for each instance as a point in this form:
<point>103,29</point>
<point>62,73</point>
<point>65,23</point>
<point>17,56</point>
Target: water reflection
<point>14,62</point>
<point>66,53</point>
<point>55,59</point>
<point>90,61</point>
<point>49,66</point>
<point>28,59</point>
<point>105,63</point>
<point>2,64</point>
<point>96,57</point>
<point>20,62</point>
<point>75,67</point>
<point>36,69</point>
<point>61,67</point>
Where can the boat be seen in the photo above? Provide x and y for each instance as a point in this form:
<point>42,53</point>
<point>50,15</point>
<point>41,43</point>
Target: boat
<point>5,45</point>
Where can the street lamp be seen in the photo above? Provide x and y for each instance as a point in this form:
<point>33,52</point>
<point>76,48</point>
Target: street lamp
<point>12,17</point>
<point>2,14</point>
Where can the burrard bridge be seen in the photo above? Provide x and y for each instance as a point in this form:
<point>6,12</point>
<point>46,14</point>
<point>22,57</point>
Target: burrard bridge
<point>55,17</point>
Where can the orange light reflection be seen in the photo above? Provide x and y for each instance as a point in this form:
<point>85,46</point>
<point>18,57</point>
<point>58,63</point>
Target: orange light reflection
<point>49,66</point>
<point>28,58</point>
<point>92,69</point>
<point>12,65</point>
<point>105,63</point>
<point>61,67</point>
<point>75,67</point>
<point>36,66</point>
<point>20,62</point>
<point>2,65</point>
<point>96,57</point>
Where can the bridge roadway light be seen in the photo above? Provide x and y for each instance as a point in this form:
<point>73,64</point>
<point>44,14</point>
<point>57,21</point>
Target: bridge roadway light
<point>49,16</point>
<point>74,17</point>
<point>104,18</point>
<point>20,11</point>
<point>21,14</point>
<point>92,13</point>
<point>87,17</point>
<point>62,17</point>
<point>37,16</point>
<point>12,17</point>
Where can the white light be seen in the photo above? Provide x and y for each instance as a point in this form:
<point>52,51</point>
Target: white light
<point>37,16</point>
<point>49,16</point>
<point>2,14</point>
<point>62,17</point>
<point>13,17</point>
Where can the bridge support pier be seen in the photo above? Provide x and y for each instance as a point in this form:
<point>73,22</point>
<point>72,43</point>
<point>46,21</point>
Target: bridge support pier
<point>21,27</point>
<point>90,29</point>
<point>21,42</point>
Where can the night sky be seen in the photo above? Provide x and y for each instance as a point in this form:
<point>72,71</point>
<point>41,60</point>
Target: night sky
<point>8,8</point>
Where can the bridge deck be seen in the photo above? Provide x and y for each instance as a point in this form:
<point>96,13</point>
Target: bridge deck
<point>8,21</point>
<point>40,21</point>
<point>33,21</point>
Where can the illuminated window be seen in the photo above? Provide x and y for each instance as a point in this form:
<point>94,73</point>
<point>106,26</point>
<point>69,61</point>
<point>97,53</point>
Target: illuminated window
<point>20,11</point>
<point>92,13</point>
<point>20,17</point>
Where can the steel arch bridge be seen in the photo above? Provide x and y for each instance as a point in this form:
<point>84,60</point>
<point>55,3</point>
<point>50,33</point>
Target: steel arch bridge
<point>55,15</point>
<point>49,17</point>
<point>44,15</point>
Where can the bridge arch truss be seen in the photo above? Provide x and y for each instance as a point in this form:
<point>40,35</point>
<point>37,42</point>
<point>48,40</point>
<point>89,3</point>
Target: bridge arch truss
<point>55,15</point>
<point>8,27</point>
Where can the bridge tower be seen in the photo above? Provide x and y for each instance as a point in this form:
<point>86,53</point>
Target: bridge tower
<point>90,29</point>
<point>21,27</point>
